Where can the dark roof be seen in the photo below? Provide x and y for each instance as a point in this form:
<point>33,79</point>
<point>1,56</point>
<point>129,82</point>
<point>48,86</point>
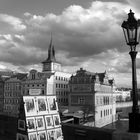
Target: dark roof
<point>98,77</point>
<point>51,54</point>
<point>82,72</point>
<point>19,76</point>
<point>111,81</point>
<point>6,73</point>
<point>101,76</point>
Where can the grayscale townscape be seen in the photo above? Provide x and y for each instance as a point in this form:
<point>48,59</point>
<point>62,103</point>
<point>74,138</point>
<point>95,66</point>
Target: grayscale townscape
<point>69,70</point>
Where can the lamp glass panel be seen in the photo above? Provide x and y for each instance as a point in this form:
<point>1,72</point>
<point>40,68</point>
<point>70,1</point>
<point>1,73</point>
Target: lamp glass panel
<point>138,35</point>
<point>125,31</point>
<point>132,36</point>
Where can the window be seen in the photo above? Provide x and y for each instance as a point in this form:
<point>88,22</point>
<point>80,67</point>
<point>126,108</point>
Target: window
<point>43,92</point>
<point>81,100</point>
<point>110,111</point>
<point>33,76</point>
<point>56,85</point>
<point>101,101</point>
<point>104,100</point>
<point>108,100</point>
<point>101,114</point>
<point>61,85</point>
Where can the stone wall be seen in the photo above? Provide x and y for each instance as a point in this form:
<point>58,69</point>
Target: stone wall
<point>76,132</point>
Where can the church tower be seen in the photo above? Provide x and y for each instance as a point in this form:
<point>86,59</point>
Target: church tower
<point>50,64</point>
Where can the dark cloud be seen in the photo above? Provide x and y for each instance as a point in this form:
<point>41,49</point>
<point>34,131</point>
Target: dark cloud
<point>121,1</point>
<point>80,33</point>
<point>81,37</point>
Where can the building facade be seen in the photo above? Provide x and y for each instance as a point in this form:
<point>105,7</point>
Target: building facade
<point>51,81</point>
<point>95,90</point>
<point>59,80</point>
<point>35,83</point>
<point>13,94</point>
<point>123,95</point>
<point>1,94</point>
<point>62,87</point>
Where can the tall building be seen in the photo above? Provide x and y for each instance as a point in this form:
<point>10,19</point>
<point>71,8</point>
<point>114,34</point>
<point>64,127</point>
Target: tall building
<point>58,80</point>
<point>95,90</point>
<point>1,94</point>
<point>13,94</point>
<point>52,80</point>
<point>50,64</point>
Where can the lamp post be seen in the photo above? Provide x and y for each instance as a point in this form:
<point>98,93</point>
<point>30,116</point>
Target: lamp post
<point>130,29</point>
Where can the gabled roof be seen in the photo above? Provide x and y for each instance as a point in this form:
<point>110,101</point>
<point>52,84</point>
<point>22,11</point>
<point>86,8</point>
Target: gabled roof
<point>98,77</point>
<point>51,53</point>
<point>101,76</point>
<point>19,76</point>
<point>82,72</point>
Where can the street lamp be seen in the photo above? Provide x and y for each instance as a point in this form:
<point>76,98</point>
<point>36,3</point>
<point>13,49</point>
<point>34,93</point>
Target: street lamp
<point>131,34</point>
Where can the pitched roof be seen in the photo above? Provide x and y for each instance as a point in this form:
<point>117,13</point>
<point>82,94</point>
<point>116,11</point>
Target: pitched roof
<point>19,76</point>
<point>51,53</point>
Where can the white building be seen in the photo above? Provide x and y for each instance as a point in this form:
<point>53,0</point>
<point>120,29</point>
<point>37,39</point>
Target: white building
<point>122,95</point>
<point>96,91</point>
<point>58,80</point>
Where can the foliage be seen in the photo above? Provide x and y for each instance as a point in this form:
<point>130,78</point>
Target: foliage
<point>87,110</point>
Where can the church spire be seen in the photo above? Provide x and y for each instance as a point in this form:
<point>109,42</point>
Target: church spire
<point>50,64</point>
<point>51,52</point>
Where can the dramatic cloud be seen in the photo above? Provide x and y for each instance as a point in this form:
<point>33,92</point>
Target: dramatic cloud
<point>83,37</point>
<point>81,32</point>
<point>15,22</point>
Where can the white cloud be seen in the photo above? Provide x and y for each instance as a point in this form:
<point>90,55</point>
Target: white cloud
<point>83,37</point>
<point>14,21</point>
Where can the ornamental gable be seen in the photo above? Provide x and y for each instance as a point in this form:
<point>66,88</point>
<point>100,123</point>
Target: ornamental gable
<point>35,75</point>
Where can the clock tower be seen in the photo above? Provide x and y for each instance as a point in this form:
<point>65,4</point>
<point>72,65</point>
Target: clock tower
<point>50,64</point>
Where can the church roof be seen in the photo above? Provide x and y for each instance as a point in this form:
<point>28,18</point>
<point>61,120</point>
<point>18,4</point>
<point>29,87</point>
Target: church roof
<point>51,53</point>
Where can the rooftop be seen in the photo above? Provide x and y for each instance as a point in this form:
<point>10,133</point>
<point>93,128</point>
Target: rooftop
<point>119,125</point>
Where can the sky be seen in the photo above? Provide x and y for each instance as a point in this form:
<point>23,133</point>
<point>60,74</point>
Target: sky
<point>86,33</point>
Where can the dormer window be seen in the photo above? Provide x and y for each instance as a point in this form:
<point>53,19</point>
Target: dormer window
<point>33,76</point>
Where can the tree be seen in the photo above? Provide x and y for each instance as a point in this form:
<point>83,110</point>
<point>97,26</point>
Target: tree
<point>87,110</point>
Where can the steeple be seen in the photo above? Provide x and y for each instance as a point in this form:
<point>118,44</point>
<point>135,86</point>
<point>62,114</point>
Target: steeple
<point>50,64</point>
<point>51,53</point>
